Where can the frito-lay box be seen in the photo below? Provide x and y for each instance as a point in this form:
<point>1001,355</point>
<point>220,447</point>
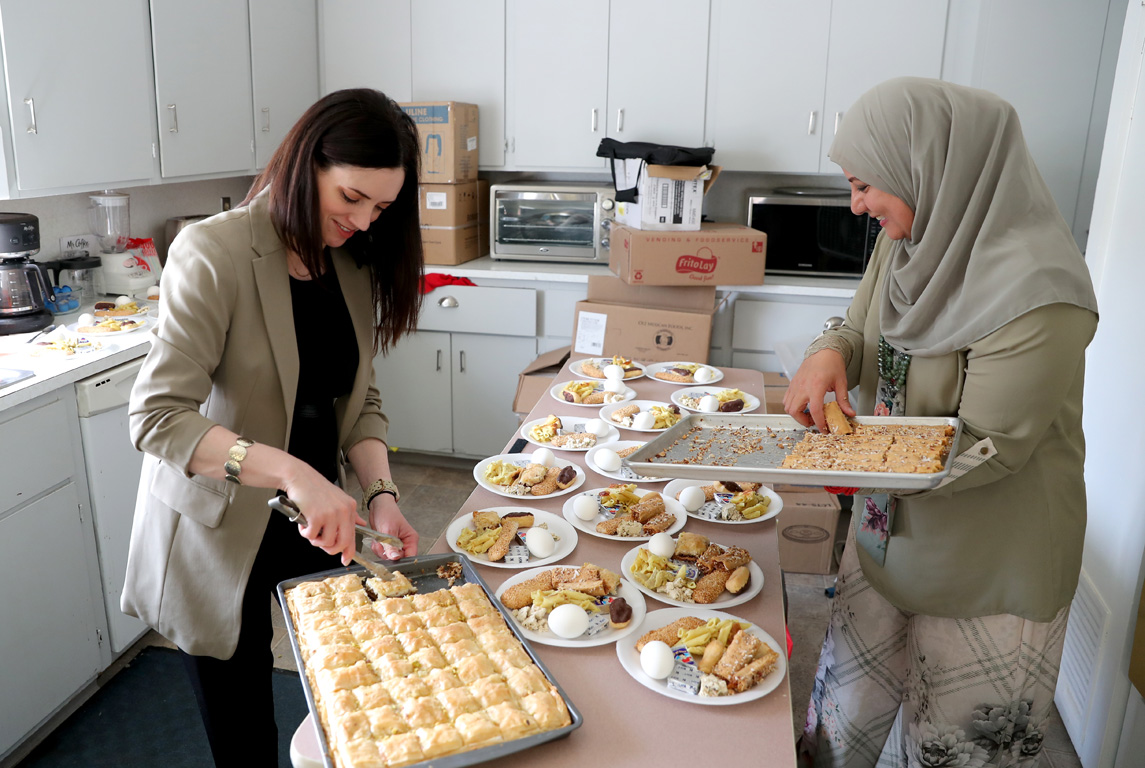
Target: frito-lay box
<point>718,253</point>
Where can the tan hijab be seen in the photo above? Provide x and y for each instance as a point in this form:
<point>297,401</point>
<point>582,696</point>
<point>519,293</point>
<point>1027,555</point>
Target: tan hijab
<point>988,242</point>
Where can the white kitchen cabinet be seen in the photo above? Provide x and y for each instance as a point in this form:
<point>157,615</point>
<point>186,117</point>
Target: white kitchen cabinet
<point>284,68</point>
<point>82,113</point>
<point>203,86</point>
<point>485,374</point>
<point>367,44</point>
<point>765,333</point>
<point>458,54</point>
<point>414,379</point>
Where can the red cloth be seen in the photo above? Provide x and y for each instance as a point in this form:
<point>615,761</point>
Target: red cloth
<point>436,280</point>
<point>790,645</point>
<point>840,491</point>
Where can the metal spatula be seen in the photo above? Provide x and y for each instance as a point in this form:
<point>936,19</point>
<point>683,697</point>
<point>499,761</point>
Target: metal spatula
<point>289,507</point>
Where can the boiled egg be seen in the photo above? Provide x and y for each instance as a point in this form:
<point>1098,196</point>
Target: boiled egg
<point>569,621</point>
<point>540,542</point>
<point>662,544</point>
<point>544,457</point>
<point>613,371</point>
<point>692,498</point>
<point>85,319</point>
<point>709,403</point>
<point>644,420</point>
<point>153,292</point>
<point>597,427</point>
<point>703,375</point>
<point>656,658</point>
<point>586,507</point>
<point>121,300</point>
<point>615,385</point>
<point>608,459</point>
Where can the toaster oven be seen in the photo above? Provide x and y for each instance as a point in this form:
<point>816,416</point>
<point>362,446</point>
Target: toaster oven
<point>551,222</point>
<point>811,231</point>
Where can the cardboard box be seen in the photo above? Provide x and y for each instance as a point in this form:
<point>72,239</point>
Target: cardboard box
<point>484,247</point>
<point>448,205</point>
<point>668,197</point>
<point>807,530</point>
<point>649,324</point>
<point>450,245</point>
<point>774,388</point>
<point>447,132</point>
<point>718,254</point>
<point>537,378</point>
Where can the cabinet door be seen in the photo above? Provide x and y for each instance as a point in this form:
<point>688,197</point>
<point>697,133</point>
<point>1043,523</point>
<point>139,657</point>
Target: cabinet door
<point>49,640</point>
<point>771,335</point>
<point>557,120</point>
<point>92,107</point>
<point>284,67</point>
<point>366,44</point>
<point>485,371</point>
<point>414,381</point>
<point>657,71</point>
<point>203,86</point>
<point>766,67</point>
<point>872,42</point>
<point>459,55</point>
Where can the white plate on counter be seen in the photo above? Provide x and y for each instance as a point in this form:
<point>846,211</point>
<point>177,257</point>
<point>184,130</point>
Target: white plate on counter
<point>630,658</point>
<point>141,323</point>
<point>750,402</point>
<point>624,473</point>
<point>601,362</point>
<point>654,368</point>
<point>644,405</point>
<point>710,511</point>
<point>597,386</point>
<point>726,600</point>
<point>555,524</point>
<point>589,526</point>
<point>607,635</point>
<point>569,424</point>
<point>523,461</point>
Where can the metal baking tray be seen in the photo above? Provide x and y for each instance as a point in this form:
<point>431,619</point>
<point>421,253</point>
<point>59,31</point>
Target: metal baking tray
<point>422,573</point>
<point>776,435</point>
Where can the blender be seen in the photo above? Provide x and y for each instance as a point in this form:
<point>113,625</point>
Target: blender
<point>25,287</point>
<point>121,272</point>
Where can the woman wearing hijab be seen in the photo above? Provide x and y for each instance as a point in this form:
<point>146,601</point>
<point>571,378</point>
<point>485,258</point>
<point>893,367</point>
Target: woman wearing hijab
<point>951,604</point>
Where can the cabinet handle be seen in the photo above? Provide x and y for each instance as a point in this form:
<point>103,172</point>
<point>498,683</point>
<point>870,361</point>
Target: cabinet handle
<point>448,302</point>
<point>32,109</point>
<point>620,120</point>
<point>174,119</point>
<point>811,123</point>
<point>439,359</point>
<point>594,119</point>
<point>461,357</point>
<point>266,119</point>
<point>838,117</point>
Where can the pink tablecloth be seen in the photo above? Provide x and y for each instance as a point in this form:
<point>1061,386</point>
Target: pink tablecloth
<point>624,722</point>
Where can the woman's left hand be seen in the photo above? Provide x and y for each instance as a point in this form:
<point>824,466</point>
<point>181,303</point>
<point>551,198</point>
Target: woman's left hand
<point>385,517</point>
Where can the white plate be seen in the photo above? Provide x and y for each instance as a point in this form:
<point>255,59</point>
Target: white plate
<point>589,526</point>
<point>601,362</point>
<point>750,402</point>
<point>605,636</point>
<point>555,524</point>
<point>522,460</point>
<point>569,424</point>
<point>726,600</point>
<point>630,659</point>
<point>654,368</point>
<point>710,511</point>
<point>606,413</point>
<point>624,473</point>
<point>142,323</point>
<point>597,385</point>
<point>144,307</point>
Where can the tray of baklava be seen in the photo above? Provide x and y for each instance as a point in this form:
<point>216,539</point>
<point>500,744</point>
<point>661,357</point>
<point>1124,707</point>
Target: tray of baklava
<point>420,670</point>
<point>899,452</point>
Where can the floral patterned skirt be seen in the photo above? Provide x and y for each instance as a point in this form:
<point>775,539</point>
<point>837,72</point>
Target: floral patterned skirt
<point>899,689</point>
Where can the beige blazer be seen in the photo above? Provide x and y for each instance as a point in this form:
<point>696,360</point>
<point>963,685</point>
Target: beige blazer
<point>224,352</point>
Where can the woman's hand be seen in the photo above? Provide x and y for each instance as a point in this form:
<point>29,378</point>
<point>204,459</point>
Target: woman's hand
<point>385,517</point>
<point>819,374</point>
<point>331,514</point>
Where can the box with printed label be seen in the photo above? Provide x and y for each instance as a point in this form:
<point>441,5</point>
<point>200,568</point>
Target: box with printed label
<point>448,205</point>
<point>718,253</point>
<point>447,134</point>
<point>807,530</point>
<point>668,197</point>
<point>450,245</point>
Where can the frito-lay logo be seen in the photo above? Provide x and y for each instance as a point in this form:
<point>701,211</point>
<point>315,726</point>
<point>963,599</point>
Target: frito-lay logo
<point>704,262</point>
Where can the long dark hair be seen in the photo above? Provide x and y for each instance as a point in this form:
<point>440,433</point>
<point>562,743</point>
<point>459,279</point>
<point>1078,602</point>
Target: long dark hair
<point>363,128</point>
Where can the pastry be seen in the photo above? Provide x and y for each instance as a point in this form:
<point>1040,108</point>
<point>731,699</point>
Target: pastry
<point>574,440</point>
<point>486,518</point>
<point>741,651</point>
<point>500,547</point>
<point>532,474</point>
<point>650,505</point>
<point>548,484</point>
<point>747,676</point>
<point>624,412</point>
<point>710,586</point>
<point>837,423</point>
<point>522,519</point>
<point>566,477</point>
<point>669,634</point>
<point>713,651</point>
<point>661,522</point>
<point>590,368</point>
<point>619,613</point>
<point>738,580</point>
<point>689,547</point>
<point>520,595</point>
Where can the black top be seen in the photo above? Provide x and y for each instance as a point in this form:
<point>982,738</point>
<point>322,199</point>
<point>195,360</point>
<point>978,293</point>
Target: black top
<point>328,361</point>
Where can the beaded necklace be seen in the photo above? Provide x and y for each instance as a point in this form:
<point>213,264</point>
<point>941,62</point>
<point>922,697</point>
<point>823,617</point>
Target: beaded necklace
<point>893,366</point>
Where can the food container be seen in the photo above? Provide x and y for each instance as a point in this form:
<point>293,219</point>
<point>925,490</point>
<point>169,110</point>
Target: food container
<point>759,445</point>
<point>422,573</point>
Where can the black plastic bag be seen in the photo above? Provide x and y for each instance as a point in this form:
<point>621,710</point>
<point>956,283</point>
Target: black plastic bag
<point>654,154</point>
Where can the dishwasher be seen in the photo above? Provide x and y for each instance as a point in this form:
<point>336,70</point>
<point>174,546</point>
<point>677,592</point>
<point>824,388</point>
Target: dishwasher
<point>113,467</point>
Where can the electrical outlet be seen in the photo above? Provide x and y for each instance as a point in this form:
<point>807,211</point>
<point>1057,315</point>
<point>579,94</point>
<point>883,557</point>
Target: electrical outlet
<point>224,203</point>
<point>70,243</point>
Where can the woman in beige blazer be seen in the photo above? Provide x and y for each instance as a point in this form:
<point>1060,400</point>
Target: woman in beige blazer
<point>951,604</point>
<point>260,378</point>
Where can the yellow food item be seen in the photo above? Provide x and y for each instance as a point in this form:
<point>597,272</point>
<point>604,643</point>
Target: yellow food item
<point>579,390</point>
<point>546,430</point>
<point>750,504</point>
<point>501,472</point>
<point>727,395</point>
<point>478,543</point>
<point>551,598</point>
<point>652,571</point>
<point>696,640</point>
<point>620,498</point>
<point>664,417</point>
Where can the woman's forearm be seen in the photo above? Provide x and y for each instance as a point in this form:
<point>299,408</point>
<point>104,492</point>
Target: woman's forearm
<point>264,466</point>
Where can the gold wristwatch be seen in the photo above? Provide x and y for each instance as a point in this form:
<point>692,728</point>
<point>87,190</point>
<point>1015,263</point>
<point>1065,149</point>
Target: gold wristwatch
<point>380,486</point>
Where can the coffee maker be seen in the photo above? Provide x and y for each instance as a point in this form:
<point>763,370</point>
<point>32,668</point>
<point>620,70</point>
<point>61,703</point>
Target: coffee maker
<point>25,287</point>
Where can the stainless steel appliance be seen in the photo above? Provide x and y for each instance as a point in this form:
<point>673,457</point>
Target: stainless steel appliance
<point>175,225</point>
<point>25,287</point>
<point>551,221</point>
<point>811,231</point>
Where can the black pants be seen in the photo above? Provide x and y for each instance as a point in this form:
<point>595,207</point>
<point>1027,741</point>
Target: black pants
<point>234,695</point>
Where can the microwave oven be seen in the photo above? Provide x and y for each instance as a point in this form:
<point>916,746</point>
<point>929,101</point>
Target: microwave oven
<point>551,221</point>
<point>813,232</point>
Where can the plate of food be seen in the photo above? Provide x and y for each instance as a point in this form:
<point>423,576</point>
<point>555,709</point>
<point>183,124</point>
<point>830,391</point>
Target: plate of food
<point>692,570</point>
<point>710,663</point>
<point>517,476</point>
<point>607,460</point>
<point>69,346</point>
<point>642,415</point>
<point>603,607</point>
<point>569,433</point>
<point>715,400</point>
<point>624,512</point>
<point>109,326</point>
<point>728,502</point>
<point>121,306</point>
<point>591,393</point>
<point>597,368</point>
<point>683,373</point>
<point>512,537</point>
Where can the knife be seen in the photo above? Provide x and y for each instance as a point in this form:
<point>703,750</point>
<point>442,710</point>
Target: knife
<point>290,508</point>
